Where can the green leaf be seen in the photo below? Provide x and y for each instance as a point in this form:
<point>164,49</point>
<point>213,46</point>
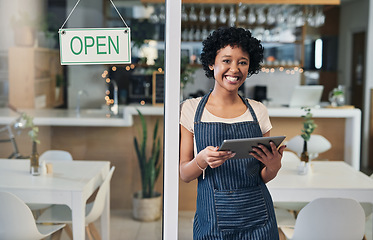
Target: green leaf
<point>149,167</point>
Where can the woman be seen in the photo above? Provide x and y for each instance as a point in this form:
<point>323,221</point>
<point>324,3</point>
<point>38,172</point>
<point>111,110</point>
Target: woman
<point>232,200</point>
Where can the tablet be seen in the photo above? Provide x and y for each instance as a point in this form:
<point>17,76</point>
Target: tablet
<point>242,147</point>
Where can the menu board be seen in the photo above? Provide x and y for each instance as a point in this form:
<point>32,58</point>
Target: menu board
<point>158,88</point>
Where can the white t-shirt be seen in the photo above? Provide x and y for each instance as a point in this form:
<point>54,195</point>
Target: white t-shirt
<point>189,107</point>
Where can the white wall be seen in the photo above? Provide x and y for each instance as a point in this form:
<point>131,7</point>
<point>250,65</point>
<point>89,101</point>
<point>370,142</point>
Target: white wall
<point>357,16</point>
<point>279,86</point>
<point>368,84</point>
<point>353,19</point>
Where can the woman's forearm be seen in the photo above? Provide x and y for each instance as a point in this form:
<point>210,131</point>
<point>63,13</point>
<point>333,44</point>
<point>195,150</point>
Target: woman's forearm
<point>190,170</point>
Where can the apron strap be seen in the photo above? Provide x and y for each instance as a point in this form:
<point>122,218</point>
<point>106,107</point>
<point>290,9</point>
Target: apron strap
<point>200,108</point>
<point>202,103</point>
<point>246,101</point>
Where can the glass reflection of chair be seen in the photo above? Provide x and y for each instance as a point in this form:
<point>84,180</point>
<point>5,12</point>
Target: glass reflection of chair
<point>17,221</point>
<point>7,136</point>
<point>62,213</point>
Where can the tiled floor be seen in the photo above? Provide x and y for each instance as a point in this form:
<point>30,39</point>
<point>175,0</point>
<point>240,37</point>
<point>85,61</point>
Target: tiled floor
<point>124,227</point>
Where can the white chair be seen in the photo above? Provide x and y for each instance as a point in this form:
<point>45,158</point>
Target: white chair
<point>50,156</point>
<point>55,155</point>
<point>62,213</point>
<point>316,145</point>
<point>18,223</point>
<point>328,218</point>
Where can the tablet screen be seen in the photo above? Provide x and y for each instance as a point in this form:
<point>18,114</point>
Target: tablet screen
<point>242,147</point>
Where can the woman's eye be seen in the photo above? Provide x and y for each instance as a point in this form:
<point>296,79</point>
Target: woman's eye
<point>243,63</point>
<point>226,61</point>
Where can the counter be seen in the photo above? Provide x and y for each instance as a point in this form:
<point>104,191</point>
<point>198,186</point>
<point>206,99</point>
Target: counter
<point>98,118</point>
<point>352,127</point>
<point>85,118</point>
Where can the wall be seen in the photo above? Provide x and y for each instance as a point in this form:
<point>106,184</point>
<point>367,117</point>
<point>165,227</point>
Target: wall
<point>356,16</point>
<point>279,86</point>
<point>369,86</point>
<point>353,19</point>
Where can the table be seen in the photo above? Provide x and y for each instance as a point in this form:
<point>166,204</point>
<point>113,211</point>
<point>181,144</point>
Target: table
<point>71,183</point>
<point>325,179</point>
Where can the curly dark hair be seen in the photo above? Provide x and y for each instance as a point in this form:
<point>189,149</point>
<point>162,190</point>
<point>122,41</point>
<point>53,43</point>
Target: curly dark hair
<point>232,36</point>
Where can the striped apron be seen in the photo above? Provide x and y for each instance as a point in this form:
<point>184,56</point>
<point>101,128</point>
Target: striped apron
<point>232,201</point>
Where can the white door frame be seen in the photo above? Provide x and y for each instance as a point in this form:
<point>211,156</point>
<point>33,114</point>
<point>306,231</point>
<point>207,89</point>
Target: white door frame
<point>171,120</point>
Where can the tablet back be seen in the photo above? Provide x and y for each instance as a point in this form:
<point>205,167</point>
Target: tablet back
<point>242,147</point>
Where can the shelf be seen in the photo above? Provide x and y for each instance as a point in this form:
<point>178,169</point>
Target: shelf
<point>34,85</point>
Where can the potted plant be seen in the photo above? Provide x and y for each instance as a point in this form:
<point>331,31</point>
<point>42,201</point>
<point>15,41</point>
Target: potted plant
<point>147,202</point>
<point>308,128</point>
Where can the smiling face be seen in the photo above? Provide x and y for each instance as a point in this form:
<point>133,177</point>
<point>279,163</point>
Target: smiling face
<point>230,68</point>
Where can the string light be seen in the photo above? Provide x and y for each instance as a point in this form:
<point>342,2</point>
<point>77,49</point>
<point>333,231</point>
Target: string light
<point>281,69</point>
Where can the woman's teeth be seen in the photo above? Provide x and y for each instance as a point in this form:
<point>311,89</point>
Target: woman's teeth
<point>232,79</point>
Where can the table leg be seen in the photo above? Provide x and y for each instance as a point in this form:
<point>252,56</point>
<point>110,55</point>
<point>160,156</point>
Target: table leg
<point>105,218</point>
<point>78,216</point>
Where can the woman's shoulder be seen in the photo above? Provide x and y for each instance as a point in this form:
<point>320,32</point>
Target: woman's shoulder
<point>256,104</point>
<point>191,103</point>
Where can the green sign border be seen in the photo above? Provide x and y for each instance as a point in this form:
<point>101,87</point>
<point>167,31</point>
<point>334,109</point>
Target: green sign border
<point>90,29</point>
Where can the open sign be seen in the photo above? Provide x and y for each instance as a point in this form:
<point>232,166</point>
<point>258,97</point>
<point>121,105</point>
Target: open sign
<point>95,46</point>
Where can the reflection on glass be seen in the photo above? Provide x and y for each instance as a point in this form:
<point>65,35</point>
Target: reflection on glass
<point>232,17</point>
<point>202,16</point>
<point>184,15</point>
<point>241,16</point>
<point>222,16</point>
<point>213,16</point>
<point>192,15</point>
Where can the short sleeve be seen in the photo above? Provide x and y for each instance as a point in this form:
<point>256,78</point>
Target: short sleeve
<point>187,112</point>
<point>262,115</point>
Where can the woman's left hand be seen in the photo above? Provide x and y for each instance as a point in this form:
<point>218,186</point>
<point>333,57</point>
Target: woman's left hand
<point>271,158</point>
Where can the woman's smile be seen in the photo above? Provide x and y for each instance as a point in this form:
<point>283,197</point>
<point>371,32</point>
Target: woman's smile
<point>232,79</point>
<point>231,67</point>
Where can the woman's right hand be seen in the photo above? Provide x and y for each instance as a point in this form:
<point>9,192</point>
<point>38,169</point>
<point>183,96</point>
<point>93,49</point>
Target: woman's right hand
<point>212,157</point>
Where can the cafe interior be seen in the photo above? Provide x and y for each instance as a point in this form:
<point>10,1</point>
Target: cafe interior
<point>89,150</point>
